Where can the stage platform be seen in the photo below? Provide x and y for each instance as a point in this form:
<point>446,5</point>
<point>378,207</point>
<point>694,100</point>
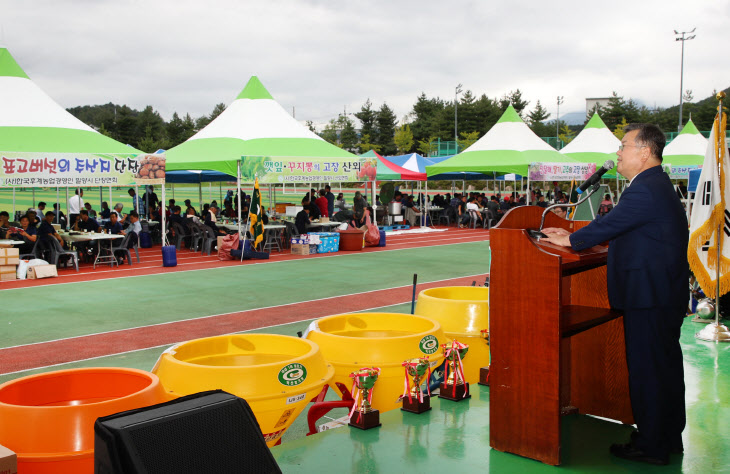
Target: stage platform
<point>454,436</point>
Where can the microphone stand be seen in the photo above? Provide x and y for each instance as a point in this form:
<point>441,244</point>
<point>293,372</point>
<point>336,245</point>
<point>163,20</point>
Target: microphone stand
<point>537,233</point>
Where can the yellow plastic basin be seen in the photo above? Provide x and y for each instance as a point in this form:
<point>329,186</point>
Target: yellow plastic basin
<point>353,341</point>
<point>463,312</point>
<point>277,375</point>
<point>48,419</point>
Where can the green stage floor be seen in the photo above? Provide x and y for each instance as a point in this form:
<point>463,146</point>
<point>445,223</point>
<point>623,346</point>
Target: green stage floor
<point>454,436</point>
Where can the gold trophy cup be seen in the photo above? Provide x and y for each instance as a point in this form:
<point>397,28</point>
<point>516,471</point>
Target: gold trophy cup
<point>362,414</point>
<point>414,400</point>
<point>455,387</point>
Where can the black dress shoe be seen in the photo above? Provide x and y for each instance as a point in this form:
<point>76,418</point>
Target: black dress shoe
<point>675,449</point>
<point>627,451</point>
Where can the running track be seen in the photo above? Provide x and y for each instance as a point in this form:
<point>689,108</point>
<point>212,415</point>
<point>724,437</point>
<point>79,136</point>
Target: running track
<point>43,354</point>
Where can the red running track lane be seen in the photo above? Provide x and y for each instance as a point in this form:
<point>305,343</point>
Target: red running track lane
<point>43,354</point>
<point>151,259</point>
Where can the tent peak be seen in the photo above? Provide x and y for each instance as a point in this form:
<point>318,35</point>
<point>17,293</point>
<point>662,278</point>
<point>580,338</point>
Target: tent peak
<point>595,122</point>
<point>689,128</point>
<point>8,66</point>
<point>510,115</point>
<point>254,89</point>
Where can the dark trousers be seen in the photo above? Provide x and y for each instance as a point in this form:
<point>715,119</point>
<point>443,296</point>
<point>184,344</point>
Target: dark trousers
<point>656,377</point>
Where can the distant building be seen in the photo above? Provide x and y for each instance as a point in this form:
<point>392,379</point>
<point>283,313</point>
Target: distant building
<point>591,102</point>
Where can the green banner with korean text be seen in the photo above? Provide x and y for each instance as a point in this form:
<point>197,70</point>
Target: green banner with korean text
<point>307,170</point>
<point>79,170</point>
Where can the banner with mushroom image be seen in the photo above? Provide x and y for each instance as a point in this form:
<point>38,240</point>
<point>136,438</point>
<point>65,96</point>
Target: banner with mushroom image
<point>78,170</point>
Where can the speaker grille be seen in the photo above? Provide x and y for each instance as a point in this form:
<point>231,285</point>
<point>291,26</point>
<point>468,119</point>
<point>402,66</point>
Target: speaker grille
<point>219,440</point>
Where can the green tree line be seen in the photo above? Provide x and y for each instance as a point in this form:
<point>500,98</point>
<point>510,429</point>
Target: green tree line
<point>377,128</point>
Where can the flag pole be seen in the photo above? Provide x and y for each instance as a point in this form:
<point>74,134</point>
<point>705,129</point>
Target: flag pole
<point>716,332</point>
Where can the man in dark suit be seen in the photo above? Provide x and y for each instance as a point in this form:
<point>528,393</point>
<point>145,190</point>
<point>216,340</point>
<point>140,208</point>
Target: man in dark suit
<point>647,278</point>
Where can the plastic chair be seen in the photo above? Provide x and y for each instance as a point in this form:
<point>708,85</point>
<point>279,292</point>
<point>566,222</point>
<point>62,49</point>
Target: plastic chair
<point>474,218</point>
<point>179,234</point>
<point>208,239</point>
<point>196,238</point>
<point>489,219</point>
<point>57,252</point>
<point>122,247</point>
<point>37,251</point>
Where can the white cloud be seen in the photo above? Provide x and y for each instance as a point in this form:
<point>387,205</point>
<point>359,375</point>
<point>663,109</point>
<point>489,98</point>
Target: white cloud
<point>186,56</point>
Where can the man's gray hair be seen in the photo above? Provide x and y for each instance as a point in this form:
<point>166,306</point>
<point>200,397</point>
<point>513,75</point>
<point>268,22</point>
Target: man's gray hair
<point>650,136</point>
<point>118,205</point>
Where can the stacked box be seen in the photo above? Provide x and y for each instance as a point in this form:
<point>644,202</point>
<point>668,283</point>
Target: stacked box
<point>329,242</point>
<point>9,256</point>
<point>8,273</point>
<point>303,249</point>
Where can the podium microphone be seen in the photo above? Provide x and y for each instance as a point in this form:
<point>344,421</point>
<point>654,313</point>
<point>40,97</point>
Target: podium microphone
<point>608,165</point>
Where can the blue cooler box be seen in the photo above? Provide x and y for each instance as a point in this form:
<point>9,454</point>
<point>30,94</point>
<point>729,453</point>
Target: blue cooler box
<point>169,256</point>
<point>329,242</point>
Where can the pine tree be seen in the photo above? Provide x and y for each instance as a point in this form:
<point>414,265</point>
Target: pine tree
<point>385,123</point>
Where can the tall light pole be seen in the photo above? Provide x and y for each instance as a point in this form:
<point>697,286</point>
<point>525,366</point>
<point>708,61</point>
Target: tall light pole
<point>557,124</point>
<point>682,38</point>
<point>457,91</point>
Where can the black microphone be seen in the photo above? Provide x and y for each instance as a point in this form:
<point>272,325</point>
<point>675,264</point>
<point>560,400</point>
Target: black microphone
<point>608,165</point>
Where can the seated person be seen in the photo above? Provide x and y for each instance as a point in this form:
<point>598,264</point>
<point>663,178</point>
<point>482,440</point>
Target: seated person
<point>92,213</point>
<point>60,216</point>
<point>118,211</point>
<point>133,230</point>
<point>340,202</point>
<point>541,201</point>
<point>86,224</point>
<point>412,213</point>
<point>105,211</point>
<point>229,212</point>
<point>210,220</point>
<point>471,207</point>
<point>302,219</point>
<point>113,226</point>
<point>27,233</point>
<point>46,231</point>
<point>313,209</point>
<point>33,217</point>
<point>561,212</point>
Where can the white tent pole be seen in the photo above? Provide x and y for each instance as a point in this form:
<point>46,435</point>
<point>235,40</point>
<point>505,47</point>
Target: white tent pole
<point>426,204</point>
<point>238,193</point>
<point>210,191</point>
<point>13,202</point>
<point>111,198</point>
<point>374,204</point>
<point>163,216</point>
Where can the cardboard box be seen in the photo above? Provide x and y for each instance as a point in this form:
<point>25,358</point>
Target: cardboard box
<point>303,249</point>
<point>9,256</point>
<point>300,249</point>
<point>8,461</point>
<point>42,271</point>
<point>8,273</point>
<point>324,219</point>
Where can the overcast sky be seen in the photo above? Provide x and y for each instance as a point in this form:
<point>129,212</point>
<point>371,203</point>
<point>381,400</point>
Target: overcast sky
<point>320,56</point>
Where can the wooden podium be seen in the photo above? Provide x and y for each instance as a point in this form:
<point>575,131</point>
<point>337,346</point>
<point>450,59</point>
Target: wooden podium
<point>556,347</point>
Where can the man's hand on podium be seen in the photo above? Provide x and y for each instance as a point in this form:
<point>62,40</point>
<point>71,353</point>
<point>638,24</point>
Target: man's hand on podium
<point>557,236</point>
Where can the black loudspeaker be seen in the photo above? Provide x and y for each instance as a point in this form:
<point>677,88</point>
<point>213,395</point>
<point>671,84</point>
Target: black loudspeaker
<point>208,432</point>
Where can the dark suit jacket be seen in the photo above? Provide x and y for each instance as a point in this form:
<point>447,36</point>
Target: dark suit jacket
<point>647,254</point>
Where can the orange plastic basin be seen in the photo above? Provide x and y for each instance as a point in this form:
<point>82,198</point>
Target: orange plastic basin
<point>48,419</point>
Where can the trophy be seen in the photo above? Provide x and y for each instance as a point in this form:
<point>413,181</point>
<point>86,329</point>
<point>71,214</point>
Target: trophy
<point>362,415</point>
<point>484,371</point>
<point>413,398</point>
<point>454,387</point>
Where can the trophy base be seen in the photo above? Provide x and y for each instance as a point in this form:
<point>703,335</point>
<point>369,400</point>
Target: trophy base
<point>460,393</point>
<point>484,376</point>
<point>415,406</point>
<point>366,421</point>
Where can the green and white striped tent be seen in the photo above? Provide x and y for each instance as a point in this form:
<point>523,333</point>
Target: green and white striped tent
<point>508,147</point>
<point>30,121</point>
<point>594,144</point>
<point>253,125</point>
<point>687,149</point>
